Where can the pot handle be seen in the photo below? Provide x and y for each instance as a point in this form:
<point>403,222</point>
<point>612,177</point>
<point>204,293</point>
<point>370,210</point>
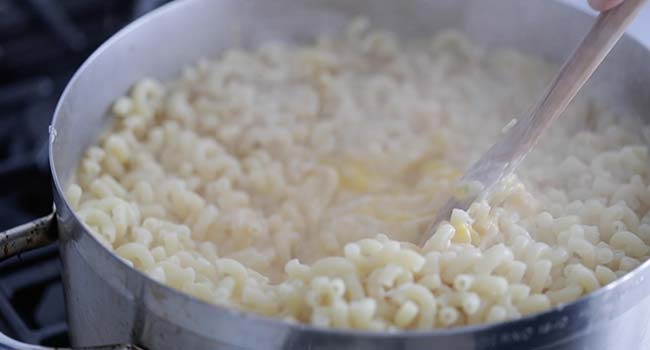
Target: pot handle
<point>32,235</point>
<point>23,238</point>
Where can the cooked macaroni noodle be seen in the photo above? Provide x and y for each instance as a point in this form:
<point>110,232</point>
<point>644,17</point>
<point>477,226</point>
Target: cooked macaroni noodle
<point>289,181</point>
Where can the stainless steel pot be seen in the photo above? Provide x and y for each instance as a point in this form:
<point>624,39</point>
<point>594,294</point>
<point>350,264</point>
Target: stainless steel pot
<point>110,303</point>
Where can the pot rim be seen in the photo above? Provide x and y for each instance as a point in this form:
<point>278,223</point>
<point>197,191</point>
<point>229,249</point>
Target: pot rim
<point>549,314</point>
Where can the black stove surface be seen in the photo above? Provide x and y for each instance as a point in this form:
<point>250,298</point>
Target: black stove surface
<point>42,42</point>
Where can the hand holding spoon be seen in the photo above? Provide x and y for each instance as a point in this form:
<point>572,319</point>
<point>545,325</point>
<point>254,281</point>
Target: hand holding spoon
<point>508,152</point>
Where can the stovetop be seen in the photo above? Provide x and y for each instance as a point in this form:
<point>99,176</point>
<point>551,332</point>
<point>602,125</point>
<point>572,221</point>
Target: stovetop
<point>42,42</point>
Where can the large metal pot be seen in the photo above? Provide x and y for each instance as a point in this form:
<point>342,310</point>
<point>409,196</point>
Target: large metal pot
<point>109,303</point>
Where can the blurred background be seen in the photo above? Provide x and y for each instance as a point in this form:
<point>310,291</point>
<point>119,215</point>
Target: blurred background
<point>42,42</point>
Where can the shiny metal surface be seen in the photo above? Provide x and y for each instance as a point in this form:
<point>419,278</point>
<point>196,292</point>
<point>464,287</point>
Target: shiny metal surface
<point>109,302</point>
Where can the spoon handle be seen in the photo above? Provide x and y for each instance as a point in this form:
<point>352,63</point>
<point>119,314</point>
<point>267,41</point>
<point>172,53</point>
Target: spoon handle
<point>506,154</point>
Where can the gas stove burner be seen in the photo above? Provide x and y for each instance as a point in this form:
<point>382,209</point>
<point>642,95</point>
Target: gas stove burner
<point>31,298</point>
<point>42,42</point>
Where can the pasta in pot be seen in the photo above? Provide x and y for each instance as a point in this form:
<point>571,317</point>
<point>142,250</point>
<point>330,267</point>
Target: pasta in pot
<point>289,181</point>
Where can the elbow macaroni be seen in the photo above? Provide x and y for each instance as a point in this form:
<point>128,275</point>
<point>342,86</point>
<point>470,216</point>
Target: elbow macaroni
<point>253,182</point>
